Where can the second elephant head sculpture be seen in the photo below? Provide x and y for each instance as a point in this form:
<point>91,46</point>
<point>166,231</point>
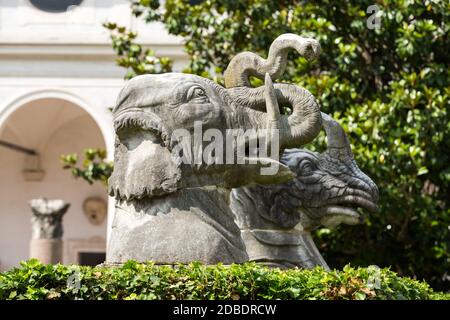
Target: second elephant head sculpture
<point>276,221</point>
<point>169,211</point>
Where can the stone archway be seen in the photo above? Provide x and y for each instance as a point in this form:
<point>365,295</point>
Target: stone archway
<point>52,123</point>
<point>9,107</point>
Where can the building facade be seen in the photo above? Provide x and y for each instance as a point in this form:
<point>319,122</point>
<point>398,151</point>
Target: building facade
<point>58,80</point>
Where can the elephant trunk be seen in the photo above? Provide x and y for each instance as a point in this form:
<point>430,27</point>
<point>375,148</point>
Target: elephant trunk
<point>299,128</point>
<point>305,122</point>
<point>247,64</point>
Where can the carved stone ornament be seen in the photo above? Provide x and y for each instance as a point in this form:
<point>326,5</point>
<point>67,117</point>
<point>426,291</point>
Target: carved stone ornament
<point>95,209</point>
<point>47,218</point>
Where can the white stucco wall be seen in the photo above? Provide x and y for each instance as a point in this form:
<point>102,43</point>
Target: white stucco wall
<point>34,43</point>
<point>65,129</point>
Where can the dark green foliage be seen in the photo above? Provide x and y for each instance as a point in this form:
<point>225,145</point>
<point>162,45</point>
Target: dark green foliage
<point>389,87</point>
<point>32,280</point>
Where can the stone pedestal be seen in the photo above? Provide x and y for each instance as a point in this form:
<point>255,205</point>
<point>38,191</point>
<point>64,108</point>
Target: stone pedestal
<point>47,229</point>
<point>46,250</point>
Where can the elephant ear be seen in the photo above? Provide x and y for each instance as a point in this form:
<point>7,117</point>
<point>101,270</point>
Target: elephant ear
<point>283,209</point>
<point>272,203</point>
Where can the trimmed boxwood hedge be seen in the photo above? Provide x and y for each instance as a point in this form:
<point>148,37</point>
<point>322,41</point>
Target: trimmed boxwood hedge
<point>33,280</point>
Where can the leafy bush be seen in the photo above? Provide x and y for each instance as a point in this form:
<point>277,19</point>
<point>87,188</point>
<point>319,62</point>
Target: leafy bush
<point>32,280</point>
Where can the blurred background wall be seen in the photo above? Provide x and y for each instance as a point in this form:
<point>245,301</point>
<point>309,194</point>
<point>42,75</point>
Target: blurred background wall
<point>58,80</point>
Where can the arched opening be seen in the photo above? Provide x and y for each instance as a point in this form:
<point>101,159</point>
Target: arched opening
<point>51,126</point>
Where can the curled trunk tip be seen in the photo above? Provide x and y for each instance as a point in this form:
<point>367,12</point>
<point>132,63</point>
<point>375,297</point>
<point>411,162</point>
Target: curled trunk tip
<point>247,64</point>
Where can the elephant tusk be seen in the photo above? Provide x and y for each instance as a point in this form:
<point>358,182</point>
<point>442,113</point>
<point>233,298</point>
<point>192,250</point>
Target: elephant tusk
<point>273,113</point>
<point>272,109</point>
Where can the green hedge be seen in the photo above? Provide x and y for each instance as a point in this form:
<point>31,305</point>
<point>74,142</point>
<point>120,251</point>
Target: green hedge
<point>33,280</point>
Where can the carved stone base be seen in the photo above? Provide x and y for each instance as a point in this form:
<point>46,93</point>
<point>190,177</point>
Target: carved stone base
<point>281,249</point>
<point>189,225</point>
<point>46,250</point>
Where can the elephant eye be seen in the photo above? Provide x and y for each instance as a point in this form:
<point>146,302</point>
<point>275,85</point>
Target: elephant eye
<point>306,167</point>
<point>197,93</point>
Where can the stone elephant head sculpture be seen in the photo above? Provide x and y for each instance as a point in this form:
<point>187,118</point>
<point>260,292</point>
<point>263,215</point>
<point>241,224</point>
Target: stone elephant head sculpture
<point>329,189</point>
<point>169,210</point>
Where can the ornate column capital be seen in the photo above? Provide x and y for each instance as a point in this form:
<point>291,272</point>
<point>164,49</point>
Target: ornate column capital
<point>47,218</point>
